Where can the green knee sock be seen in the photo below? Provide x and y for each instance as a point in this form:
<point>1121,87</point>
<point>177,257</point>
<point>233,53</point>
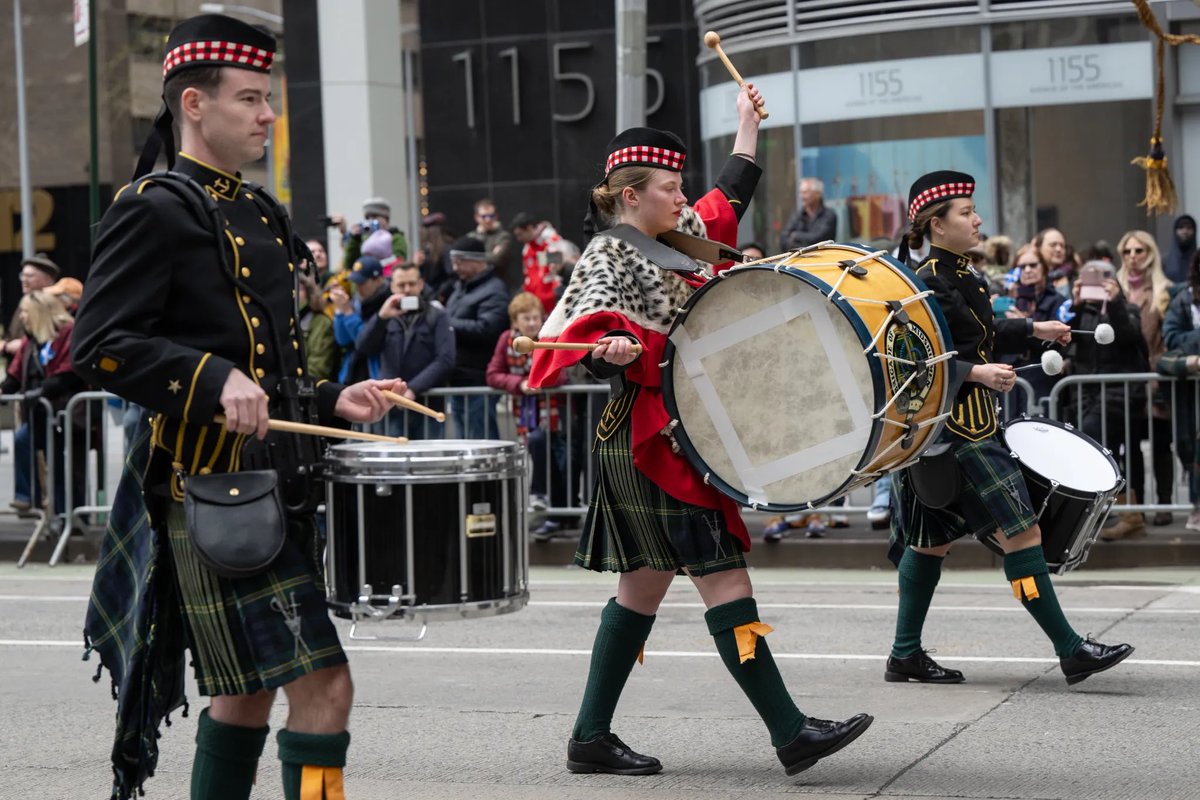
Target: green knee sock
<point>312,764</point>
<point>919,575</point>
<point>619,640</point>
<point>226,759</point>
<point>1030,577</point>
<point>754,669</point>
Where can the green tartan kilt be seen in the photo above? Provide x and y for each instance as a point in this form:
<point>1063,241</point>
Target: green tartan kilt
<point>237,630</point>
<point>632,523</point>
<point>993,496</point>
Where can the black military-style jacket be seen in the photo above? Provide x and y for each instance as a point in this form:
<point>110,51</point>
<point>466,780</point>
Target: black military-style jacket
<point>963,297</point>
<point>162,326</point>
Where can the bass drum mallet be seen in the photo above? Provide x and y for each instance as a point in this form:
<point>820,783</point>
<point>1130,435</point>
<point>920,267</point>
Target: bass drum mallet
<point>712,40</point>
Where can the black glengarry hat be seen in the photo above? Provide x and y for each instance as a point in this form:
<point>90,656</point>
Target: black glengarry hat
<point>207,40</point>
<point>645,147</point>
<point>934,187</point>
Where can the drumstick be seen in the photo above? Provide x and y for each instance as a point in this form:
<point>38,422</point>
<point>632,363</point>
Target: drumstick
<point>321,430</point>
<point>413,405</point>
<point>712,40</point>
<point>524,345</point>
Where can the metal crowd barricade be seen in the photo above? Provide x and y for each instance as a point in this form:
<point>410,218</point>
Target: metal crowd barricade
<point>95,498</point>
<point>1066,404</point>
<point>564,445</point>
<point>46,521</point>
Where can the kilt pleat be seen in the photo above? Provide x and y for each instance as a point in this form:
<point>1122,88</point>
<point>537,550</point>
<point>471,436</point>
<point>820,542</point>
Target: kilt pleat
<point>240,639</point>
<point>632,523</point>
<point>993,497</point>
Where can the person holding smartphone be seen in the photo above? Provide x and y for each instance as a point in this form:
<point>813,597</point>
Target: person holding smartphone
<point>411,336</point>
<point>1097,297</point>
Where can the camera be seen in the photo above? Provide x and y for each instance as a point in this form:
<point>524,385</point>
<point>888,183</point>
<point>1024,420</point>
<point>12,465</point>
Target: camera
<point>369,226</point>
<point>327,221</point>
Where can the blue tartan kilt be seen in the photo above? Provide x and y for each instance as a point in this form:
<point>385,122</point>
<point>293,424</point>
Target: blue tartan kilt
<point>261,632</point>
<point>993,496</point>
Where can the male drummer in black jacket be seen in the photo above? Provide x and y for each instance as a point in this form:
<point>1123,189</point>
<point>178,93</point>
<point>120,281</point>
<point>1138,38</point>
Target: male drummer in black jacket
<point>190,311</point>
<point>992,498</point>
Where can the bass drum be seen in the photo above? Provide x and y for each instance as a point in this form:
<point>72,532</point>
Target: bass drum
<point>791,383</point>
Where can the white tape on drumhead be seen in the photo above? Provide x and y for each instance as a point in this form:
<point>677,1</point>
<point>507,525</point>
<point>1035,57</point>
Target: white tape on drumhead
<point>745,328</point>
<point>856,404</point>
<point>691,353</point>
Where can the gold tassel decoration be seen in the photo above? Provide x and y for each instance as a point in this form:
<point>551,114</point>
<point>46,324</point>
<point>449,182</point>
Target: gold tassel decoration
<point>747,639</point>
<point>1025,589</point>
<point>1160,189</point>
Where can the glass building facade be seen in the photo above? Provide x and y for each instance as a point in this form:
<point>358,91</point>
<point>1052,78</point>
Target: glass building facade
<point>1045,102</point>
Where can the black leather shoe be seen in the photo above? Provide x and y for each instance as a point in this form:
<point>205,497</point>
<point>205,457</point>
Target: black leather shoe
<point>919,667</point>
<point>607,753</point>
<point>820,738</point>
<point>1093,657</point>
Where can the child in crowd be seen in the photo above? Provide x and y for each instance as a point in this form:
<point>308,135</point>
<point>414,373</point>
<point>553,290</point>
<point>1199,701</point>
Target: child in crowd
<point>537,417</point>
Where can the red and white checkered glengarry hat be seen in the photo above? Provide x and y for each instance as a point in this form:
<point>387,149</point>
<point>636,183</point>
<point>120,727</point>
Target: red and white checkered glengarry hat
<point>645,147</point>
<point>934,187</point>
<point>214,40</point>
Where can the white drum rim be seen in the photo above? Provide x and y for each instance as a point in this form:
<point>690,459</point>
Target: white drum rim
<point>1040,464</point>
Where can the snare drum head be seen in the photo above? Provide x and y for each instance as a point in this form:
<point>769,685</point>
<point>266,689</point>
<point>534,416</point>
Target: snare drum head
<point>1063,454</point>
<point>431,458</point>
<point>771,387</point>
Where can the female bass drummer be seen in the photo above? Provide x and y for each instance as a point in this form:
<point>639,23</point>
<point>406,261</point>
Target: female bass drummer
<point>992,496</point>
<point>652,515</point>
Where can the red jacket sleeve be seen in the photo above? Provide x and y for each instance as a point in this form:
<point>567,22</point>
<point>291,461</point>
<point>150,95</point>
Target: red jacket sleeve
<point>549,366</point>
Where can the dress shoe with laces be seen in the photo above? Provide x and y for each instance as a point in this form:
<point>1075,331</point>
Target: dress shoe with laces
<point>820,738</point>
<point>607,753</point>
<point>919,667</point>
<point>1093,657</point>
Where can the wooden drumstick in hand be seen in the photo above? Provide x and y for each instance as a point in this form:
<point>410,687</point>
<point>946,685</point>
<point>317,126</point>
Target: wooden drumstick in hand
<point>712,40</point>
<point>525,345</point>
<point>287,426</point>
<point>413,405</point>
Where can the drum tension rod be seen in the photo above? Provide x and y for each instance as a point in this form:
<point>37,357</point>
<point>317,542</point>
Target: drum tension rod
<point>899,315</point>
<point>853,267</point>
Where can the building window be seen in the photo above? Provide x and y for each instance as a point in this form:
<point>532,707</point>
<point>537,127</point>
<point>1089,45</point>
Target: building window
<point>148,35</point>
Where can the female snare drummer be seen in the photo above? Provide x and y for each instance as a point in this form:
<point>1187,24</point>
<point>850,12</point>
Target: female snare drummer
<point>651,514</point>
<point>992,496</point>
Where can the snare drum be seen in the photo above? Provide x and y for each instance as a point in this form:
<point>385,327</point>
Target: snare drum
<point>428,530</point>
<point>1072,481</point>
<point>793,382</point>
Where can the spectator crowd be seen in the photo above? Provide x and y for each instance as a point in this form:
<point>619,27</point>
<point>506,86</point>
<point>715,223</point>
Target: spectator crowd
<point>443,315</point>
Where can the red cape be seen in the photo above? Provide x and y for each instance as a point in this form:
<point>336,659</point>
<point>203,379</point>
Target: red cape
<point>652,454</point>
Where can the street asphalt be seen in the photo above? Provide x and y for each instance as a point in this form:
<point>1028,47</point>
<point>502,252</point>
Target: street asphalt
<point>482,709</point>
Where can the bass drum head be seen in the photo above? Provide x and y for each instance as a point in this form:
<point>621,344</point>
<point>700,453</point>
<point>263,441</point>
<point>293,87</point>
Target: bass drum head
<point>1062,454</point>
<point>762,363</point>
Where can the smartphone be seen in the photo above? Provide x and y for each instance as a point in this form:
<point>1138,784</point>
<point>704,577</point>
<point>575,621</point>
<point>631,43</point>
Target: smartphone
<point>1002,304</point>
<point>1091,284</point>
<point>410,303</point>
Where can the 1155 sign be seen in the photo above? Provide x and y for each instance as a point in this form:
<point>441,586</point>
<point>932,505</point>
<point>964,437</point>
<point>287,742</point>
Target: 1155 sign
<point>560,73</point>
